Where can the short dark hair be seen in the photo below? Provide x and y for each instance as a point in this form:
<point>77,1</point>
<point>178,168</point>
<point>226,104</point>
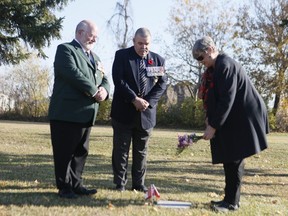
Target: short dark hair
<point>143,32</point>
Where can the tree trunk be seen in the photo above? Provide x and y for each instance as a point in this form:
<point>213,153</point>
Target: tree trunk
<point>276,103</point>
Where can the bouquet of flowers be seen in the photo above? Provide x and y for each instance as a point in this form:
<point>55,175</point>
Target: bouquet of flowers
<point>185,141</point>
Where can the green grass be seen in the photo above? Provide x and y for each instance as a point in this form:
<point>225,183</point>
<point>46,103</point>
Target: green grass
<point>27,185</point>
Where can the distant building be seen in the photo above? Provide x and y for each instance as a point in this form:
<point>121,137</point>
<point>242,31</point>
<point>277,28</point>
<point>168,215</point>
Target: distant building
<point>176,94</point>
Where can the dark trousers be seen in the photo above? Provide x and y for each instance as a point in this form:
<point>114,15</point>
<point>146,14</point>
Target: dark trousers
<point>70,142</point>
<point>234,172</point>
<point>122,137</point>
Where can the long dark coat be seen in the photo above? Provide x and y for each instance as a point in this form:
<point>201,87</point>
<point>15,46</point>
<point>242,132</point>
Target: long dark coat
<point>237,111</point>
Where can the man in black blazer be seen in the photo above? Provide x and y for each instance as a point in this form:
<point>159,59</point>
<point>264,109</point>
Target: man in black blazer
<point>140,80</point>
<point>236,122</point>
<point>79,86</point>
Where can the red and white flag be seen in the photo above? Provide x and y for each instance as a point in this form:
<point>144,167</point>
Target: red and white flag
<point>156,193</point>
<point>152,192</point>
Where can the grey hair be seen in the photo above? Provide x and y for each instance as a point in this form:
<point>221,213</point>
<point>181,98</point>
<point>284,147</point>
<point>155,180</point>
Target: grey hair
<point>202,45</point>
<point>83,25</point>
<point>142,32</point>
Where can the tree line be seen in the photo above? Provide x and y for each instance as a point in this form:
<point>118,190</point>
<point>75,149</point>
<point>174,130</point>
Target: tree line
<point>256,34</point>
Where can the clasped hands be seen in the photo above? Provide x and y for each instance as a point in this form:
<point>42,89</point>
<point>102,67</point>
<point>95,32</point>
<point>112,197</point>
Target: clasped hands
<point>101,94</point>
<point>140,104</point>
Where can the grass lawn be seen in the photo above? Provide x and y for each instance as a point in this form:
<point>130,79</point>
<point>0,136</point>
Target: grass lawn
<point>27,185</point>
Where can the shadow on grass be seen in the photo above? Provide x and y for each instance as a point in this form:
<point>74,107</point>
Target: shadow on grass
<point>22,173</point>
<point>49,199</point>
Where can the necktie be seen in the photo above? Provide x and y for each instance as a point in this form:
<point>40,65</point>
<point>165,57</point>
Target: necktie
<point>90,58</point>
<point>142,77</point>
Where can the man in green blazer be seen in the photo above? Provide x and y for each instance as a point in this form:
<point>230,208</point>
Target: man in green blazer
<point>79,86</point>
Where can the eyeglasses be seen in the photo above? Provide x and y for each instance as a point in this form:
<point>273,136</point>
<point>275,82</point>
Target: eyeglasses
<point>200,58</point>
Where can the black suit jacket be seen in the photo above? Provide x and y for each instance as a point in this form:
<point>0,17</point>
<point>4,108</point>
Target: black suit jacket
<point>125,77</point>
<point>237,112</point>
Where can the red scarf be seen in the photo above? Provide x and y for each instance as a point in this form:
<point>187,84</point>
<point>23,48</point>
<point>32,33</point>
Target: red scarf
<point>206,84</point>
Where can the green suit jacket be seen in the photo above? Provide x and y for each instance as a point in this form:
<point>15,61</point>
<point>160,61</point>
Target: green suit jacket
<point>76,80</point>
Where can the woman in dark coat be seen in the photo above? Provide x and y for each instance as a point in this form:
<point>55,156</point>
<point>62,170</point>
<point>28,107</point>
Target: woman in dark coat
<point>236,122</point>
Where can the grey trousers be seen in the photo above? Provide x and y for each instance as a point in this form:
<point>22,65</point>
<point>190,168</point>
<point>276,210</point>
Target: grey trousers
<point>123,136</point>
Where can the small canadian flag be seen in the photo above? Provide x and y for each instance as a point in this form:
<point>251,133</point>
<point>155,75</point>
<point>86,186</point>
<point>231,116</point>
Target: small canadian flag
<point>152,192</point>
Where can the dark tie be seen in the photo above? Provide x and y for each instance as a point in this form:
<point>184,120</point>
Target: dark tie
<point>89,57</point>
<point>142,77</point>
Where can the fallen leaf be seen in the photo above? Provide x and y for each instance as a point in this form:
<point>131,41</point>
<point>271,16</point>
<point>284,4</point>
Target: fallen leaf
<point>110,205</point>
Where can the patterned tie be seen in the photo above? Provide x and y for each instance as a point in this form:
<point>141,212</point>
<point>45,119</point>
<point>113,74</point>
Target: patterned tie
<point>142,77</point>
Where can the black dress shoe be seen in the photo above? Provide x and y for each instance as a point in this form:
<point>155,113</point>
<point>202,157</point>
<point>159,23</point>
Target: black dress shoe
<point>84,191</point>
<point>213,202</point>
<point>141,188</point>
<point>67,193</point>
<point>120,188</point>
<point>225,207</point>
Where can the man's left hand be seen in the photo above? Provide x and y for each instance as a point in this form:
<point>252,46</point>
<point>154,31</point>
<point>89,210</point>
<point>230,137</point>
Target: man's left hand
<point>101,94</point>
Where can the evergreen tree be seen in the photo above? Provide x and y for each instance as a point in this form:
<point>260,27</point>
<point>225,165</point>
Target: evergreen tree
<point>27,25</point>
